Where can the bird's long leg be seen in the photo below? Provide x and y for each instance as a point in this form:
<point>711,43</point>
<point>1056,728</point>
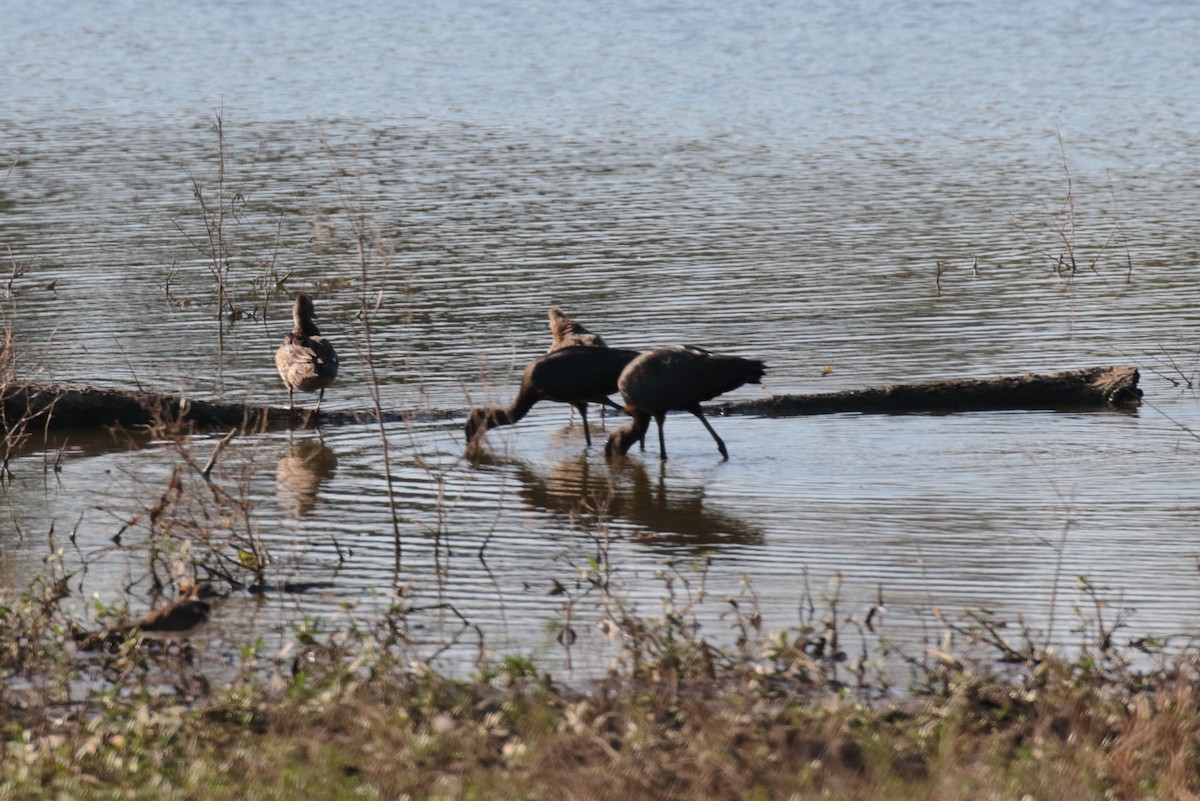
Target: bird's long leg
<point>662,443</point>
<point>320,397</point>
<point>720,444</point>
<point>608,402</point>
<point>587,435</point>
<point>291,407</point>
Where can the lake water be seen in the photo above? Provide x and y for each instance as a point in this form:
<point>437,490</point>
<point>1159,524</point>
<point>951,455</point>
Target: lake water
<point>894,191</point>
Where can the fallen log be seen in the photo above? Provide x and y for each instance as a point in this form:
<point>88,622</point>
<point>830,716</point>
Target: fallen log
<point>52,406</point>
<point>1097,387</point>
<point>36,406</point>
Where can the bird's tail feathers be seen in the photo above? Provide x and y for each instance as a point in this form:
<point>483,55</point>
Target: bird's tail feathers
<point>735,371</point>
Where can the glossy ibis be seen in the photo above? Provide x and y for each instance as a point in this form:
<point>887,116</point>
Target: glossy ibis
<point>578,375</point>
<point>676,378</point>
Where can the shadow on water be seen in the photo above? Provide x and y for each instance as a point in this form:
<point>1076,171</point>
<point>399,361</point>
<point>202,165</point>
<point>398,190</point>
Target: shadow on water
<point>625,492</point>
<point>80,442</point>
<point>305,466</point>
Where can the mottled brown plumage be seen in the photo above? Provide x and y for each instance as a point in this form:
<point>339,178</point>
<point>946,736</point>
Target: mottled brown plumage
<point>306,360</point>
<point>676,378</point>
<point>577,375</point>
<point>567,333</point>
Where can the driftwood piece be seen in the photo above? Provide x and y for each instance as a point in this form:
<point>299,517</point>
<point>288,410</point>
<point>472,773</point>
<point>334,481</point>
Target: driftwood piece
<point>1098,387</point>
<point>53,406</point>
<point>37,406</point>
<point>50,406</point>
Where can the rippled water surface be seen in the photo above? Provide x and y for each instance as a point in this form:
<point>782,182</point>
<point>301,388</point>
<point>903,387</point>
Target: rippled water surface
<point>857,194</point>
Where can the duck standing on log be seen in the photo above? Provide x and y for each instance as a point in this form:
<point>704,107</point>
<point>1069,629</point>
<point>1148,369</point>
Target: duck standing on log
<point>676,378</point>
<point>306,360</point>
<point>567,333</point>
<point>578,375</point>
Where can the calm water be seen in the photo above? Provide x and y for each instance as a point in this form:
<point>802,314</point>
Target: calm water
<point>783,181</point>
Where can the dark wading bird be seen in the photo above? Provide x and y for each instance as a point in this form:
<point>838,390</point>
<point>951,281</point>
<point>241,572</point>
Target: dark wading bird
<point>176,621</point>
<point>676,378</point>
<point>577,375</point>
<point>306,360</point>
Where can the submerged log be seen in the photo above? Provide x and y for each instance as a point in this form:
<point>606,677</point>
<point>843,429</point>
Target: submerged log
<point>37,406</point>
<point>53,406</point>
<point>1097,387</point>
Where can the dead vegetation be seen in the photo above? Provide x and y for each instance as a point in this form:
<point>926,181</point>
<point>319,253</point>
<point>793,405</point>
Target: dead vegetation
<point>748,713</point>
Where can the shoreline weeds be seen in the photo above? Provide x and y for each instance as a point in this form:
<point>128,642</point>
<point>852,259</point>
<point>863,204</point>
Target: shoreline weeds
<point>790,714</point>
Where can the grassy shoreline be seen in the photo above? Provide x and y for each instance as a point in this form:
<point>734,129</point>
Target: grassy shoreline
<point>352,713</point>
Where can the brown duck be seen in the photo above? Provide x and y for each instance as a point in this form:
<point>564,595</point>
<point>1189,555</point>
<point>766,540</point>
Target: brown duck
<point>676,378</point>
<point>567,333</point>
<point>306,360</point>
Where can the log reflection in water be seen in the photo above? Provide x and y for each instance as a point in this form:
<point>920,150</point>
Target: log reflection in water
<point>308,463</point>
<point>592,494</point>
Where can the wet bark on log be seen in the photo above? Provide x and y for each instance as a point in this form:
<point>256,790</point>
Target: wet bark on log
<point>37,406</point>
<point>52,406</point>
<point>48,406</point>
<point>1097,387</point>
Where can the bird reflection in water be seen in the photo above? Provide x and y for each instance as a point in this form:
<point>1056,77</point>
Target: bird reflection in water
<point>591,493</point>
<point>307,464</point>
